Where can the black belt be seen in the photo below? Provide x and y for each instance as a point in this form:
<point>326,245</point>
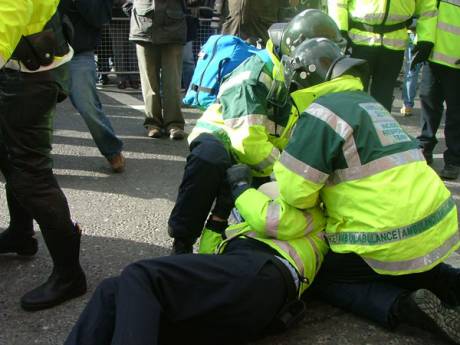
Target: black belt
<point>379,29</point>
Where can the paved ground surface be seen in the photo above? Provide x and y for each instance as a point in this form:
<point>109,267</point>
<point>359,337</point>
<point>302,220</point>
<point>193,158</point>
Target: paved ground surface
<point>124,218</point>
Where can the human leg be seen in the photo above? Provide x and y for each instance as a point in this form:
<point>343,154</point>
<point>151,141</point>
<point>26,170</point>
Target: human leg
<point>26,109</point>
<point>85,99</point>
<point>370,54</point>
<point>204,173</point>
<point>448,78</point>
<point>197,299</point>
<point>386,72</point>
<point>409,86</point>
<point>348,283</point>
<point>432,99</point>
<point>97,321</point>
<point>188,64</point>
<point>148,57</point>
<point>171,73</point>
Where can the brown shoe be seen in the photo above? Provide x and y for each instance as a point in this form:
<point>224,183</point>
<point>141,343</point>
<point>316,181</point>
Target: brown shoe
<point>176,134</point>
<point>117,163</point>
<point>154,132</point>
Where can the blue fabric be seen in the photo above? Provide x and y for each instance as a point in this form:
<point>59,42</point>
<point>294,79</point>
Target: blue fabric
<point>188,64</point>
<point>85,99</point>
<point>219,56</point>
<point>409,87</point>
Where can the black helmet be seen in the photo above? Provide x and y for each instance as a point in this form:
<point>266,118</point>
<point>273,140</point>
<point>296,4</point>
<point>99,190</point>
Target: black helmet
<point>308,24</point>
<point>275,33</point>
<point>318,60</point>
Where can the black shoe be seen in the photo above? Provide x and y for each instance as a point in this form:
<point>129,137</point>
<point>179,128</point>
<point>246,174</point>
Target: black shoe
<point>181,247</point>
<point>428,156</point>
<point>450,172</point>
<point>59,288</point>
<point>424,309</point>
<point>11,243</point>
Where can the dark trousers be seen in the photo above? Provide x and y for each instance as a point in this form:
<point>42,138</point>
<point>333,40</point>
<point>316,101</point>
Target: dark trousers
<point>347,282</point>
<point>27,104</point>
<point>384,67</point>
<point>440,84</point>
<point>185,299</point>
<point>202,184</point>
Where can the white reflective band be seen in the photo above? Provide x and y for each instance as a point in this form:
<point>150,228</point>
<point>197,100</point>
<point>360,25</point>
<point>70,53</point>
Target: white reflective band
<point>267,162</point>
<point>453,2</point>
<point>393,42</point>
<point>251,120</point>
<point>417,263</point>
<point>303,169</point>
<point>377,166</point>
<point>290,250</point>
<point>317,254</point>
<point>342,128</point>
<point>376,18</point>
<point>2,62</point>
<point>233,81</point>
<point>361,38</point>
<point>444,58</point>
<point>291,269</point>
<point>273,219</point>
<point>449,28</point>
<point>265,79</point>
<point>58,61</point>
<point>429,14</point>
<point>310,225</point>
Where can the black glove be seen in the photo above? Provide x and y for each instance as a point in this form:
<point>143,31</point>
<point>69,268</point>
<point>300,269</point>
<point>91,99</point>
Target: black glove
<point>457,62</point>
<point>239,178</point>
<point>420,53</point>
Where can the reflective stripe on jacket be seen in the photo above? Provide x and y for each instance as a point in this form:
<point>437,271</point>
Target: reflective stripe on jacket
<point>383,202</point>
<point>305,252</point>
<point>384,13</point>
<point>446,49</point>
<point>245,121</point>
<point>21,18</point>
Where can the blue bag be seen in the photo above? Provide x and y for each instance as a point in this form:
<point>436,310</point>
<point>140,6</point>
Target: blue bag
<point>220,55</point>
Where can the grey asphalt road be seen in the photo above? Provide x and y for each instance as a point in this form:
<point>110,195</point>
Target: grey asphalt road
<point>124,218</point>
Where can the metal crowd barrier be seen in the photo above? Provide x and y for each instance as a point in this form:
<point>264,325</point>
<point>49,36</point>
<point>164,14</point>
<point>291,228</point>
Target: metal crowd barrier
<point>115,54</point>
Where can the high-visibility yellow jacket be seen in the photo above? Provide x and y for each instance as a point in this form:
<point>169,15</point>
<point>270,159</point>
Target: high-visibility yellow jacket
<point>378,15</point>
<point>446,50</point>
<point>22,18</point>
<point>295,234</point>
<point>250,127</point>
<point>382,201</point>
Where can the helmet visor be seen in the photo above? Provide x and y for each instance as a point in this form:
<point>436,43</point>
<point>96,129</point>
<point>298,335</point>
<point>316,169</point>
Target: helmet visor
<point>278,94</point>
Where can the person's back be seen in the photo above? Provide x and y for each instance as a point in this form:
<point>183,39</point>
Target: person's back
<point>380,168</point>
<point>350,153</point>
<point>250,19</point>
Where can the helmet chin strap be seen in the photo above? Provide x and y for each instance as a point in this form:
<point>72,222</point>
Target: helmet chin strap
<point>331,68</point>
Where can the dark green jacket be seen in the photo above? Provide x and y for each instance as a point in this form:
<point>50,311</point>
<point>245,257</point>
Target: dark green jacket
<point>158,22</point>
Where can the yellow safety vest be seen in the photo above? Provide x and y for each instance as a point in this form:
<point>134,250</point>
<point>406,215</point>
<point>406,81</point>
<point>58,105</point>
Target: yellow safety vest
<point>22,18</point>
<point>382,22</point>
<point>446,49</point>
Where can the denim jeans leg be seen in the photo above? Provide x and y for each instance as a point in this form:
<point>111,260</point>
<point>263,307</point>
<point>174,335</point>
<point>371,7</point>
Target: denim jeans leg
<point>85,99</point>
<point>409,88</point>
<point>188,64</point>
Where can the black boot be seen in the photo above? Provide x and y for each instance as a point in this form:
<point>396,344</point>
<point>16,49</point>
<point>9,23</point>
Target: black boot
<point>424,309</point>
<point>67,280</point>
<point>12,242</point>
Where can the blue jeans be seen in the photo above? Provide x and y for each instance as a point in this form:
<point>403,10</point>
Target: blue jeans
<point>188,65</point>
<point>85,99</point>
<point>409,87</point>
